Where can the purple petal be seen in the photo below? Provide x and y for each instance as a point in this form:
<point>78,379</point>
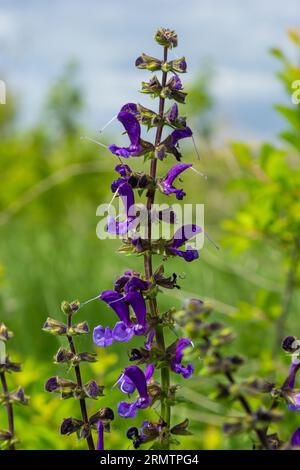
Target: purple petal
<point>137,376</point>
<point>136,283</point>
<point>132,127</point>
<point>123,170</point>
<point>120,227</point>
<point>148,343</point>
<point>51,384</point>
<point>175,171</point>
<point>179,134</point>
<point>295,439</point>
<point>102,336</point>
<point>129,108</point>
<point>121,332</point>
<point>172,114</point>
<point>126,385</point>
<point>127,410</point>
<point>100,441</point>
<point>120,151</point>
<point>184,233</point>
<point>127,196</point>
<point>116,301</point>
<point>187,255</point>
<point>116,184</point>
<point>138,305</point>
<point>149,372</point>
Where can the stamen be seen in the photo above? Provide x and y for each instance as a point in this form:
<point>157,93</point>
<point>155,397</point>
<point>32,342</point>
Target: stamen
<point>198,172</point>
<point>211,241</point>
<point>195,147</point>
<point>108,123</point>
<point>94,141</point>
<point>88,301</point>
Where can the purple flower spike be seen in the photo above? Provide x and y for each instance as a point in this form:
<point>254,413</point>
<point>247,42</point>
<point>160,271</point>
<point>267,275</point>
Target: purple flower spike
<point>176,362</point>
<point>100,441</point>
<point>102,336</point>
<point>117,227</point>
<point>138,378</point>
<point>295,439</point>
<point>133,129</point>
<point>173,173</point>
<point>185,233</point>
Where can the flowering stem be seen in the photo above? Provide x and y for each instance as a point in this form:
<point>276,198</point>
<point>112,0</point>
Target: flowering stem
<point>261,434</point>
<point>165,374</point>
<point>9,408</point>
<point>83,408</point>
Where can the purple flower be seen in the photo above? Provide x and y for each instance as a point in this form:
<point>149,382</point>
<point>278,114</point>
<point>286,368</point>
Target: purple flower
<point>133,129</point>
<point>137,377</point>
<point>176,361</point>
<point>52,384</point>
<point>167,182</point>
<point>125,172</point>
<point>295,439</point>
<point>116,227</point>
<point>291,395</point>
<point>127,386</point>
<point>172,114</point>
<point>148,343</point>
<point>171,142</point>
<point>102,336</point>
<point>175,83</point>
<point>100,441</point>
<point>185,233</point>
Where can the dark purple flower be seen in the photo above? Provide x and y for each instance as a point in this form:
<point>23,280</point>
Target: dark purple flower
<point>52,384</point>
<point>127,386</point>
<point>132,126</point>
<point>171,142</point>
<point>121,227</point>
<point>148,343</point>
<point>172,114</point>
<point>295,439</point>
<point>183,234</point>
<point>175,83</point>
<point>129,108</point>
<point>167,182</point>
<point>100,441</point>
<point>176,361</point>
<point>125,172</point>
<point>137,377</point>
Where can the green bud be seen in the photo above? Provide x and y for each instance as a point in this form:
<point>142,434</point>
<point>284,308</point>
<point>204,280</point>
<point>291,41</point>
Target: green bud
<point>5,334</point>
<point>66,308</point>
<point>79,329</point>
<point>166,37</point>
<point>145,61</point>
<point>54,327</point>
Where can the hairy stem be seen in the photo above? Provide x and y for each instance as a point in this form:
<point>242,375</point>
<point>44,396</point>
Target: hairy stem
<point>83,408</point>
<point>288,291</point>
<point>261,434</point>
<point>9,408</point>
<point>165,373</point>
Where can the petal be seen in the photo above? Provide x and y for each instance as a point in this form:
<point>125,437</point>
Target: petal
<point>129,108</point>
<point>100,441</point>
<point>102,336</point>
<point>122,332</point>
<point>148,343</point>
<point>149,372</point>
<point>179,134</point>
<point>188,255</point>
<point>127,410</point>
<point>116,301</point>
<point>127,196</point>
<point>295,439</point>
<point>137,376</point>
<point>175,171</point>
<point>136,283</point>
<point>184,233</point>
<point>123,170</point>
<point>126,385</point>
<point>138,305</point>
<point>132,126</point>
<point>120,151</point>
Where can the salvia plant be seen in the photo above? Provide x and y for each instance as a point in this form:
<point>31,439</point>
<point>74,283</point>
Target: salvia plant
<point>8,398</point>
<point>76,389</point>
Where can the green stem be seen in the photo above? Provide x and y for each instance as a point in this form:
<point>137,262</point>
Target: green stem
<point>160,340</point>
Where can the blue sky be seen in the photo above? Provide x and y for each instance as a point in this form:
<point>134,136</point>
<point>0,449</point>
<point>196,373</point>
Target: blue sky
<point>37,38</point>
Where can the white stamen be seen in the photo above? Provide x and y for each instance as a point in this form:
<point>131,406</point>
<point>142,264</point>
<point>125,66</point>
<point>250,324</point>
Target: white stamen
<point>198,172</point>
<point>108,123</point>
<point>94,141</point>
<point>195,147</point>
<point>211,241</point>
<point>88,301</point>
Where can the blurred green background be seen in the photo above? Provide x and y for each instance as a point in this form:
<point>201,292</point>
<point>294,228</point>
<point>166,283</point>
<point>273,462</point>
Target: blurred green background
<point>51,185</point>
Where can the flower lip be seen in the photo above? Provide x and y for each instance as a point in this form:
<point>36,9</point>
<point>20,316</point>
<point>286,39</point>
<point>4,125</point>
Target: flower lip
<point>167,182</point>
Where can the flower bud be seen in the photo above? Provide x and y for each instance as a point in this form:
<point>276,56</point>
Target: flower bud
<point>181,429</point>
<point>54,327</point>
<point>178,65</point>
<point>166,37</point>
<point>145,61</point>
<point>290,344</point>
<point>5,334</point>
<point>70,425</point>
